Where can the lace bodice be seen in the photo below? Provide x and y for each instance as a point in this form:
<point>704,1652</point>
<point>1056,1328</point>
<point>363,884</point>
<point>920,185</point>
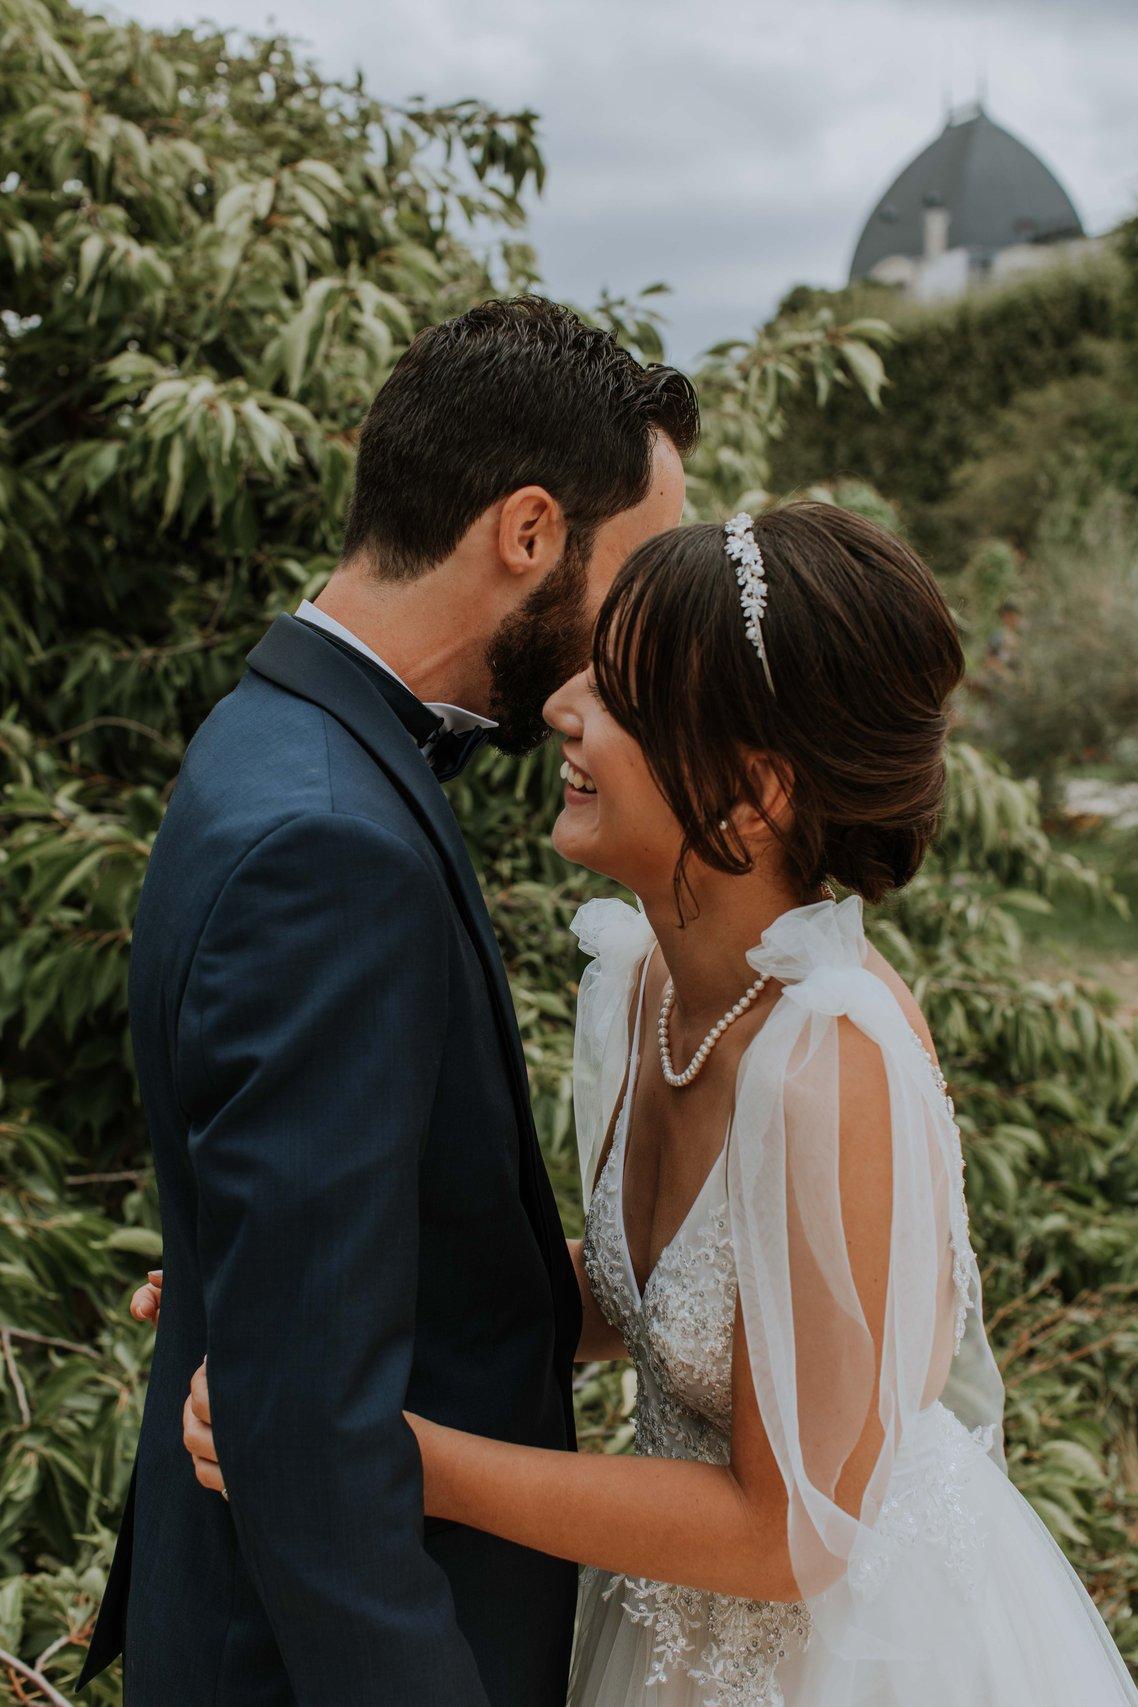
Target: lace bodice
<point>679,1332</point>
<point>679,1336</point>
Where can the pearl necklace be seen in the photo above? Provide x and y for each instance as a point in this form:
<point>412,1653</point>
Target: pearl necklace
<point>696,1064</point>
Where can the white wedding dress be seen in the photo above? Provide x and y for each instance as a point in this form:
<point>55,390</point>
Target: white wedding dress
<point>945,1588</point>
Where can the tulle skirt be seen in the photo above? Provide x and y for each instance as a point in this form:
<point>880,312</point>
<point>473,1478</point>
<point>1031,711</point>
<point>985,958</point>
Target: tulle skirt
<point>971,1604</point>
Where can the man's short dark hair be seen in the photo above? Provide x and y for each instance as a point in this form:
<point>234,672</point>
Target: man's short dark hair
<point>514,393</point>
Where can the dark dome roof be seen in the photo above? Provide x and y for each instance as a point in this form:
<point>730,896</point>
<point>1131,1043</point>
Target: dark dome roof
<point>996,190</point>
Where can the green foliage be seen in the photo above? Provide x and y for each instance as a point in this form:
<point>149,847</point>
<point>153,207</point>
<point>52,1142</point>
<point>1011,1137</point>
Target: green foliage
<point>747,390</point>
<point>1014,374</point>
<point>1070,693</point>
<point>210,258</point>
<point>1056,444</point>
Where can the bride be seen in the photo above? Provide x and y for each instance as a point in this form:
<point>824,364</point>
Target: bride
<point>817,1511</point>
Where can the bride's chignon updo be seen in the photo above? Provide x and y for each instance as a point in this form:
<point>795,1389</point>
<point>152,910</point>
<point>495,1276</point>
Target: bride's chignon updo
<point>864,655</point>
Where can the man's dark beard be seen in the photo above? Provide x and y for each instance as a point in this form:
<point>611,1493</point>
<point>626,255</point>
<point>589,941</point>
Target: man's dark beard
<point>535,649</point>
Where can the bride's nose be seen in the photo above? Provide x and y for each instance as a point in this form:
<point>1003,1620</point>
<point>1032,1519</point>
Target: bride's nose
<point>563,708</point>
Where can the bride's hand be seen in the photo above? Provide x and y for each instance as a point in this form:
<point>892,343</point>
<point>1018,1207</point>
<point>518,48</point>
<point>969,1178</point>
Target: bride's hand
<point>197,1437</point>
<point>433,1440</point>
<point>197,1434</point>
<point>146,1305</point>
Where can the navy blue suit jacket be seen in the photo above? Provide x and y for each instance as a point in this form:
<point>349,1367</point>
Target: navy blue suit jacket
<point>355,1219</point>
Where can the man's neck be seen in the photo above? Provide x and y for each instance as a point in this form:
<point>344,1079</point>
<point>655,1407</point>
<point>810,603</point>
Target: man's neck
<point>410,625</point>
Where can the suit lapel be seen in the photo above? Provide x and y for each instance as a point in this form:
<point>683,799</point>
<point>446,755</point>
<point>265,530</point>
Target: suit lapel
<point>299,658</point>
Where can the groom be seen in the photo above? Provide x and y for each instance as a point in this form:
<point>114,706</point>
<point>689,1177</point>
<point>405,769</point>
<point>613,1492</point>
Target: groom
<point>355,1213</point>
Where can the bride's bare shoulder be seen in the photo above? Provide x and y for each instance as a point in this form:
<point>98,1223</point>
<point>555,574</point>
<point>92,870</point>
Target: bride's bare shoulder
<point>877,963</point>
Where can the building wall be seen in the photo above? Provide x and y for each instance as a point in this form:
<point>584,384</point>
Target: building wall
<point>937,278</point>
<point>1037,257</point>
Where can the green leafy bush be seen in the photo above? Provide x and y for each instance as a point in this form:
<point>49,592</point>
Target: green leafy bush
<point>1057,444</point>
<point>1070,694</point>
<point>958,374</point>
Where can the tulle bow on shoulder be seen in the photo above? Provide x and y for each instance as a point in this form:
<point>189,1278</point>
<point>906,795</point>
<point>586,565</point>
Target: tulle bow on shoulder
<point>818,953</point>
<point>829,936</point>
<point>613,932</point>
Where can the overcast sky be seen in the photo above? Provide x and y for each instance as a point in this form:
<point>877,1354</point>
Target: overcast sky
<point>734,149</point>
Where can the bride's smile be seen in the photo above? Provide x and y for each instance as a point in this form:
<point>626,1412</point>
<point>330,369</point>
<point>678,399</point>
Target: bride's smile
<point>578,785</point>
<point>614,819</point>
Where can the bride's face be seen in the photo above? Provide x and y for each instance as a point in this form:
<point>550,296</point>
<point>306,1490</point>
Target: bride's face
<point>614,820</point>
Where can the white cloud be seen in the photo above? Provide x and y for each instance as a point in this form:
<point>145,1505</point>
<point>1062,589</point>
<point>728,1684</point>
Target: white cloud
<point>735,148</point>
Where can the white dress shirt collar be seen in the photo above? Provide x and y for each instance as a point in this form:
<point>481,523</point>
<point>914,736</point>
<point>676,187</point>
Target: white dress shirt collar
<point>455,717</point>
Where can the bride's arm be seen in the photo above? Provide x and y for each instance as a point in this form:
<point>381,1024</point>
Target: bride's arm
<point>717,1527</point>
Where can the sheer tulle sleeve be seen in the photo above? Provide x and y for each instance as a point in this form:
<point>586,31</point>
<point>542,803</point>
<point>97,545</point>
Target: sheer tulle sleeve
<point>821,1372</point>
<point>618,938</point>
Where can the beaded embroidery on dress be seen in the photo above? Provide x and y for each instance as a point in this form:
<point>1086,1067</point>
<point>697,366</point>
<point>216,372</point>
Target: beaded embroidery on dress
<point>917,1609</point>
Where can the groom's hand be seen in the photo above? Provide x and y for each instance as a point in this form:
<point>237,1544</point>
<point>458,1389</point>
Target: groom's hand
<point>197,1434</point>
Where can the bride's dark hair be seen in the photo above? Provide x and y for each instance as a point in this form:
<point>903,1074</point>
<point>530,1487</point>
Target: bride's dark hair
<point>864,655</point>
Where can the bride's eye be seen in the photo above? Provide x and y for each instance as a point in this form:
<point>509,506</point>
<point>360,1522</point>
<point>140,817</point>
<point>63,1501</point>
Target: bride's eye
<point>594,690</point>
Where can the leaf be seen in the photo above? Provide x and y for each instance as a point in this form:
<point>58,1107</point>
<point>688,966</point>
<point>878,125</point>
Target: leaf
<point>1061,1523</point>
<point>91,252</point>
<point>139,1241</point>
<point>323,173</point>
<point>1079,1459</point>
<point>1025,901</point>
<point>234,206</point>
<point>12,1614</point>
<point>294,341</point>
<point>263,434</point>
<point>175,481</point>
<point>867,368</point>
<point>312,206</point>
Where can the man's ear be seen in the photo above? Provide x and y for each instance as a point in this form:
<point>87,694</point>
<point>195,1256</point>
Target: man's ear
<point>531,532</point>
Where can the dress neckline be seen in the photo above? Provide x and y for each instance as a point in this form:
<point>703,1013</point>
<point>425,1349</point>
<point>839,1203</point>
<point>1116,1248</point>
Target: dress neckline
<point>619,1158</point>
<point>821,936</point>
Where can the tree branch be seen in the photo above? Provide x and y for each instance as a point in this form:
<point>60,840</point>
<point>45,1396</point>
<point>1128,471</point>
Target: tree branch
<point>46,1339</point>
<point>30,1675</point>
<point>14,1376</point>
<point>127,723</point>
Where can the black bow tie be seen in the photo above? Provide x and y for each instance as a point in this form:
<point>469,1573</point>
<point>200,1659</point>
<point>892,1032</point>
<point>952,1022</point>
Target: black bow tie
<point>447,751</point>
<point>451,750</point>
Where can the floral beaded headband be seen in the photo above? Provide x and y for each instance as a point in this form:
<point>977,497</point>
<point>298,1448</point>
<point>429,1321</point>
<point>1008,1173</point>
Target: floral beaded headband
<point>743,550</point>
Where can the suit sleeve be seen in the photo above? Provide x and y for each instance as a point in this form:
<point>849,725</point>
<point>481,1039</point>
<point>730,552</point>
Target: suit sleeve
<point>311,1036</point>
